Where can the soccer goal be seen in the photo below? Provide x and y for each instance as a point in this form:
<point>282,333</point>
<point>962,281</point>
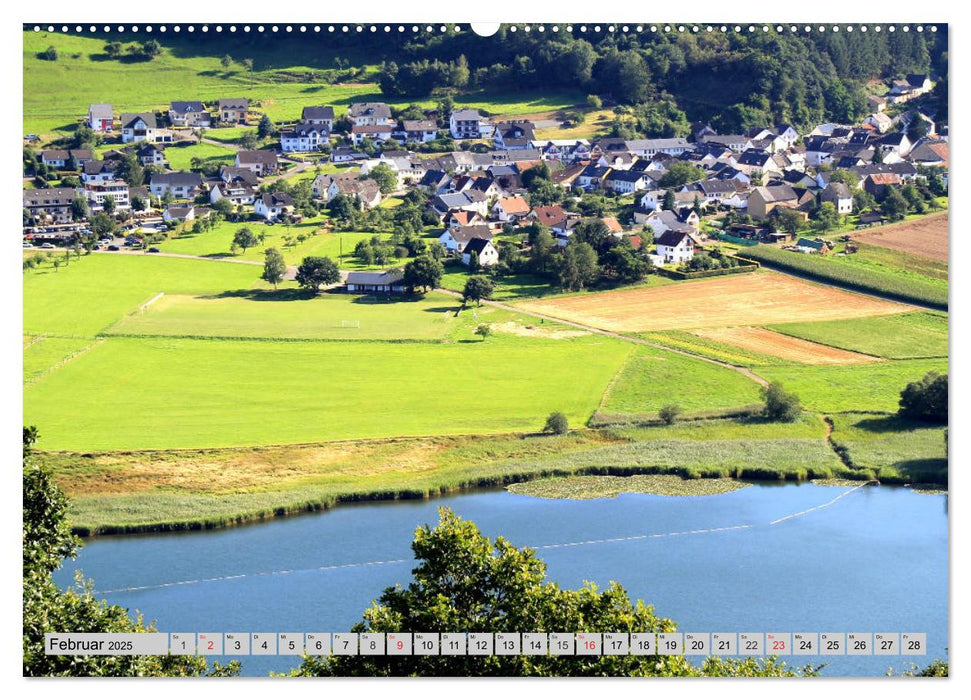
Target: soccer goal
<point>350,324</point>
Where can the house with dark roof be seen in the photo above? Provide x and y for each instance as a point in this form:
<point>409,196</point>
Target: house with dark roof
<point>675,247</point>
<point>261,162</point>
<point>514,135</point>
<point>273,205</point>
<point>233,110</point>
<point>420,130</point>
<point>142,126</point>
<point>178,185</point>
<point>369,113</point>
<point>454,240</point>
<point>383,282</point>
<point>469,124</point>
<point>50,204</point>
<point>486,253</point>
<point>840,196</point>
<point>189,113</point>
<point>319,116</point>
<point>303,137</point>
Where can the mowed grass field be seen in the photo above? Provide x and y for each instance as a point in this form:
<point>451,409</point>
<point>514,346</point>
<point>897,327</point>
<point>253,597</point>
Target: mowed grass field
<point>92,293</point>
<point>291,313</point>
<point>902,336</point>
<point>172,393</point>
<point>893,448</point>
<point>731,300</point>
<point>180,157</point>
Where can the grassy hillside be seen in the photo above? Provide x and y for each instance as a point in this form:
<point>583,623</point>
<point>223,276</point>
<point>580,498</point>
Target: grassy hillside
<point>286,76</point>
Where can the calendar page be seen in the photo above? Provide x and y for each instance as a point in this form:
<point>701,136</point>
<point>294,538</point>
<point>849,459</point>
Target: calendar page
<point>438,349</point>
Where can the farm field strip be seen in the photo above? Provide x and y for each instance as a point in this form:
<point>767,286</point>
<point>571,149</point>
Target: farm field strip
<point>783,346</point>
<point>903,336</point>
<point>926,236</point>
<point>733,300</point>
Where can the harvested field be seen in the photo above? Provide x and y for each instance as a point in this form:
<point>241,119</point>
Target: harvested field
<point>784,346</point>
<point>732,300</point>
<point>926,236</point>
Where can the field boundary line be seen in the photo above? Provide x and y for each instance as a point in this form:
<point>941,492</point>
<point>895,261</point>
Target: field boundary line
<point>613,382</point>
<point>60,363</point>
<point>36,339</point>
<point>151,301</point>
<point>612,334</point>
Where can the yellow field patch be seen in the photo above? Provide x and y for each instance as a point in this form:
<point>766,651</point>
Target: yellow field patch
<point>787,347</point>
<point>762,298</point>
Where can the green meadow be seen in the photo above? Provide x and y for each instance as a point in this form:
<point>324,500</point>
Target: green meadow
<point>902,336</point>
<point>172,393</point>
<point>894,449</point>
<point>291,314</point>
<point>867,387</point>
<point>218,242</point>
<point>181,157</point>
<point>87,296</point>
<point>41,353</point>
<point>653,378</point>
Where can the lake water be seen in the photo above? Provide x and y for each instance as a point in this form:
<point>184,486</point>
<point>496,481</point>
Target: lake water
<point>875,560</point>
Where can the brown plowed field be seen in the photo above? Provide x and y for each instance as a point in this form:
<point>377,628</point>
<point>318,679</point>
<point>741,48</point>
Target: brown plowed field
<point>769,342</point>
<point>926,236</point>
<point>754,299</point>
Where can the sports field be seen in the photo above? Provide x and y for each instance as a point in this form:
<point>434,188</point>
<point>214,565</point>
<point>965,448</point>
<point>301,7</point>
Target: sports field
<point>783,346</point>
<point>731,300</point>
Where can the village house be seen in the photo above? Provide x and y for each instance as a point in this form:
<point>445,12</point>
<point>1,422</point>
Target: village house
<point>233,110</point>
<point>142,126</point>
<point>877,183</point>
<point>897,143</point>
<point>175,214</point>
<point>763,200</point>
<point>592,177</point>
<point>469,124</point>
<point>458,219</point>
<point>879,121</point>
<point>420,130</point>
<point>237,185</point>
<point>648,148</point>
<point>930,155</point>
<point>178,185</point>
<point>675,247</point>
<point>914,85</point>
<point>262,163</point>
<point>345,154</point>
<point>384,282</point>
<point>625,181</point>
<point>99,171</point>
<point>435,182</point>
<point>366,192</point>
<point>454,240</point>
<point>458,201</point>
<point>660,221</point>
<point>115,190</point>
<point>303,138</point>
<point>319,116</point>
<point>876,103</point>
<point>840,196</point>
<point>50,204</point>
<point>375,132</point>
<point>510,209</point>
<point>150,154</point>
<point>483,250</point>
<point>273,206</point>
<point>514,135</point>
<point>190,113</point>
<point>369,114</point>
<point>100,117</point>
<point>72,159</point>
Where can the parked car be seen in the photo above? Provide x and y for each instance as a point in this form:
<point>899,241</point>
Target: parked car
<point>113,247</point>
<point>48,246</point>
<point>153,250</point>
<point>27,244</point>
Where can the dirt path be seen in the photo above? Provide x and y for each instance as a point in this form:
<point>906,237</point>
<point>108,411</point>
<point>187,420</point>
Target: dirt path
<point>611,334</point>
